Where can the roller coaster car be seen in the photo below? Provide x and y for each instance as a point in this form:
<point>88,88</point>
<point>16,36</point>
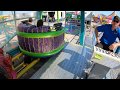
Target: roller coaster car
<point>58,26</point>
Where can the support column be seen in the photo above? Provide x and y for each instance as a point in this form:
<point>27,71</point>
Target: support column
<point>82,33</point>
<point>14,13</point>
<point>65,18</point>
<point>57,16</point>
<point>39,14</point>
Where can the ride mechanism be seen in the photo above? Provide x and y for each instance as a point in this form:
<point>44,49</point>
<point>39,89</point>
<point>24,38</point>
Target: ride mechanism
<point>22,61</point>
<point>19,65</point>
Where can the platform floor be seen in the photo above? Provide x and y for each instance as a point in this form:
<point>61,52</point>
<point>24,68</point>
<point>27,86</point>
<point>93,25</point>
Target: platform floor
<point>68,64</point>
<point>73,39</point>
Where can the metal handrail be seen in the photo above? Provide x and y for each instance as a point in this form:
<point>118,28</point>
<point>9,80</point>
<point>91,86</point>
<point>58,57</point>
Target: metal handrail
<point>9,40</point>
<point>16,19</point>
<point>15,26</point>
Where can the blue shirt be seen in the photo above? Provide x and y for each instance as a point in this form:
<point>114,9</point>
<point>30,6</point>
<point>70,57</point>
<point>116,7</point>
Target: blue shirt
<point>109,35</point>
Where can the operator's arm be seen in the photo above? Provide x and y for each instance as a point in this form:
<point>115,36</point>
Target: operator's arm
<point>97,37</point>
<point>114,45</point>
<point>118,44</point>
<point>99,29</point>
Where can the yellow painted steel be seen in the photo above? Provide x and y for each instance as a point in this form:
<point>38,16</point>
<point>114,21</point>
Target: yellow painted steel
<point>19,66</point>
<point>27,68</point>
<point>21,69</point>
<point>17,57</point>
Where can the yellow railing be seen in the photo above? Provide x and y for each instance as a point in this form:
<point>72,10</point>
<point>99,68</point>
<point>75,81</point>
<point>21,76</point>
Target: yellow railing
<point>25,67</point>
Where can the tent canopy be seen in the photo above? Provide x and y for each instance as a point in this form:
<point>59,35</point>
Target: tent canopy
<point>111,15</point>
<point>89,17</point>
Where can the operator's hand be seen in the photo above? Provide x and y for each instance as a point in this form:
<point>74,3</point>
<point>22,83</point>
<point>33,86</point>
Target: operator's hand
<point>113,46</point>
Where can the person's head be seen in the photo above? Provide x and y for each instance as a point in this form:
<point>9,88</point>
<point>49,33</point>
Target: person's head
<point>24,21</point>
<point>30,20</point>
<point>116,21</point>
<point>39,23</point>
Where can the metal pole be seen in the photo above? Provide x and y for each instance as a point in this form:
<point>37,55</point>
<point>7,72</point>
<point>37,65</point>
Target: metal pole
<point>14,13</point>
<point>65,18</point>
<point>82,33</point>
<point>39,15</point>
<point>57,16</point>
